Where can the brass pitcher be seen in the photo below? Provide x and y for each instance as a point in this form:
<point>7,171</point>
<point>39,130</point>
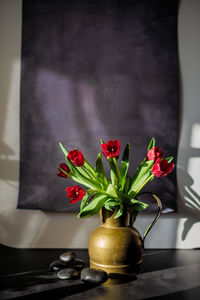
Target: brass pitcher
<point>115,246</point>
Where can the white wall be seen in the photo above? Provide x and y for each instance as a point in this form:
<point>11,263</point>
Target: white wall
<point>28,228</point>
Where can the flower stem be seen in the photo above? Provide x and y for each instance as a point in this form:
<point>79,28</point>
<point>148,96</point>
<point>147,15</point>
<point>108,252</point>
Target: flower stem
<point>70,175</point>
<point>115,173</point>
<point>117,168</point>
<point>90,170</point>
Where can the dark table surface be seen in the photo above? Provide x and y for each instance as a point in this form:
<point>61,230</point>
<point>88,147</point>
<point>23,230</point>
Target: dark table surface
<point>166,274</point>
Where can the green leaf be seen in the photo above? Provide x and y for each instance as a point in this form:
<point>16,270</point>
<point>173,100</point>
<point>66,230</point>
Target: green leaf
<point>113,178</point>
<point>83,172</point>
<point>124,165</point>
<point>90,169</point>
<point>84,201</point>
<point>142,163</point>
<point>126,186</point>
<point>64,150</point>
<point>111,191</point>
<point>70,175</point>
<point>152,143</point>
<point>137,186</point>
<point>94,206</point>
<point>76,173</point>
<point>119,212</point>
<point>100,170</point>
<point>169,159</point>
<point>115,173</point>
<point>137,205</point>
<point>111,204</point>
<point>142,174</point>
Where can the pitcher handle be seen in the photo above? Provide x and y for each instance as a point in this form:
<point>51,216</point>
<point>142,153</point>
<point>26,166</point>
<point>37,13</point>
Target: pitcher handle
<point>157,215</point>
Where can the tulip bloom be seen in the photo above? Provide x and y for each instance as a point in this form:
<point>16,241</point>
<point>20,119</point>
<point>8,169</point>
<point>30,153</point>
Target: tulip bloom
<point>76,193</point>
<point>154,153</point>
<point>65,168</point>
<point>111,149</point>
<point>162,167</point>
<point>76,157</point>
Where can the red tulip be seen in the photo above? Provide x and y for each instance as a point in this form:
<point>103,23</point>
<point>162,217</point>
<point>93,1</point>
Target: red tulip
<point>76,157</point>
<point>154,153</point>
<point>111,149</point>
<point>76,193</point>
<point>162,167</point>
<point>65,168</point>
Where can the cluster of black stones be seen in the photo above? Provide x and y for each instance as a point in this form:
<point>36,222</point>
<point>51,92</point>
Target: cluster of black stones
<point>70,267</point>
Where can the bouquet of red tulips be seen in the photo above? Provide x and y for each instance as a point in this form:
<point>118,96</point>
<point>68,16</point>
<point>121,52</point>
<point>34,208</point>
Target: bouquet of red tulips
<point>120,191</point>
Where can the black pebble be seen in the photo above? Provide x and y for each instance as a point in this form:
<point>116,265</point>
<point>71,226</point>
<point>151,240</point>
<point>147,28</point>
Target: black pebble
<point>57,265</point>
<point>68,256</point>
<point>94,276</point>
<point>77,264</point>
<point>67,273</point>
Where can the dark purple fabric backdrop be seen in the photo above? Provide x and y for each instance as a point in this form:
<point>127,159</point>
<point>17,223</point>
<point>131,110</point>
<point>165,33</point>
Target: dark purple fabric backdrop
<point>92,70</point>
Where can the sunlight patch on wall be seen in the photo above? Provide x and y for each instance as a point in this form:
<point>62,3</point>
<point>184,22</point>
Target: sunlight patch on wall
<point>194,160</point>
<point>195,136</point>
<point>187,233</point>
<point>11,135</point>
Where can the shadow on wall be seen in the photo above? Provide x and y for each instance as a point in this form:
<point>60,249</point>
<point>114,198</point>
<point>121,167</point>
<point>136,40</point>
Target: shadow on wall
<point>190,204</point>
<point>18,227</point>
<point>8,165</point>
